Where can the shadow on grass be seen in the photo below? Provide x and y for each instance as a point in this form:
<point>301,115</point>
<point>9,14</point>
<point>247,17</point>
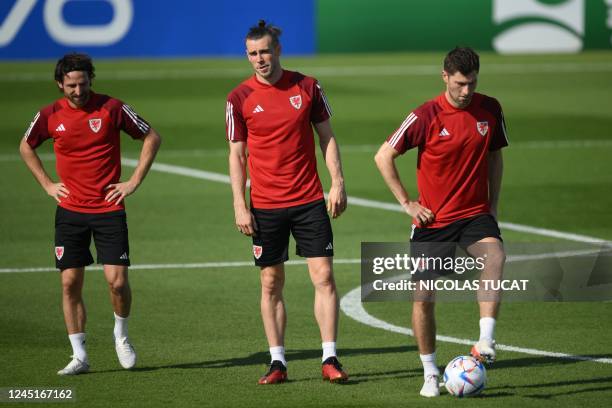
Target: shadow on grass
<point>541,361</point>
<point>263,358</point>
<point>554,385</point>
<point>509,390</point>
<point>356,377</point>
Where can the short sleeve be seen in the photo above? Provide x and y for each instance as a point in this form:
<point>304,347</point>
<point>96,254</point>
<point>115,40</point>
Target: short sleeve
<point>320,111</point>
<point>235,125</point>
<point>499,138</point>
<point>38,130</point>
<point>131,123</point>
<point>411,133</point>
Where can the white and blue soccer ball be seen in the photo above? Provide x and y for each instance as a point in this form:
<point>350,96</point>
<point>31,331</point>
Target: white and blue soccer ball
<point>465,376</point>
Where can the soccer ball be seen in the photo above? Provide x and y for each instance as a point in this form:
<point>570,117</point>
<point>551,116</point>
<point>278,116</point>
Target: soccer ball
<point>465,376</point>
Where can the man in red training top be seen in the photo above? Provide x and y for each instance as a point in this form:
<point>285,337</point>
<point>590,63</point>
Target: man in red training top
<point>85,129</point>
<point>271,115</point>
<point>459,136</point>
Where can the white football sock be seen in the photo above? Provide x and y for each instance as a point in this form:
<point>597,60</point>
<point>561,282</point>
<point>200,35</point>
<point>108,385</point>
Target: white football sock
<point>121,327</point>
<point>329,350</point>
<point>429,364</point>
<point>77,341</point>
<point>487,328</point>
<point>278,353</point>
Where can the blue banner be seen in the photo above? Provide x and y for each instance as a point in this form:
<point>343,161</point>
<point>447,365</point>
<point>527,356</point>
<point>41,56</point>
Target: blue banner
<point>39,29</point>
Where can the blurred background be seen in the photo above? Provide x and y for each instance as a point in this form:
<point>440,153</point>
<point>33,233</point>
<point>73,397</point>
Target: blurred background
<point>35,29</point>
<point>195,320</point>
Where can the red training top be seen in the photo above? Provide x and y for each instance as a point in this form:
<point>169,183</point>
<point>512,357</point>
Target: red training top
<point>452,166</point>
<point>275,121</point>
<point>87,147</point>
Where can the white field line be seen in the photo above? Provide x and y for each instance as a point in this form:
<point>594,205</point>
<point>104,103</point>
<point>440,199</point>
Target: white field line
<point>195,265</point>
<point>356,201</point>
<point>536,144</point>
<point>407,69</point>
<point>347,149</point>
<point>352,307</point>
<point>561,144</point>
<point>363,202</point>
<point>338,261</point>
<point>182,171</point>
<point>549,255</point>
<point>554,234</point>
<point>351,302</point>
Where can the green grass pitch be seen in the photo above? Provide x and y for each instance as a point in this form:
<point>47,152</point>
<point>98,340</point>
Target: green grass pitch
<point>197,331</point>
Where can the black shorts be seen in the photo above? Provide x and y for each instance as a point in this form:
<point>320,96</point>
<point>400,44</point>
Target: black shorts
<point>309,224</point>
<point>73,231</point>
<point>442,242</point>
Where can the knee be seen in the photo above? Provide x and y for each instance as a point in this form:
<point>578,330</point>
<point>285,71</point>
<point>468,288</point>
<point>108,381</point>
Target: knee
<point>71,287</point>
<point>271,283</point>
<point>119,286</point>
<point>496,258</point>
<point>323,278</point>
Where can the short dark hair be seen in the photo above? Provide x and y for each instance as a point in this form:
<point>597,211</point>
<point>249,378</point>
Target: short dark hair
<point>462,59</point>
<point>262,29</point>
<point>74,62</point>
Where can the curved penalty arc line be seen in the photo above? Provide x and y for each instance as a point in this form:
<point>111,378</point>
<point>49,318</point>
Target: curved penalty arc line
<point>351,305</point>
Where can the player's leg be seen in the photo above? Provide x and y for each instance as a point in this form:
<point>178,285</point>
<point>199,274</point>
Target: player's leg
<point>112,244</point>
<point>424,328</point>
<point>75,318</point>
<point>311,228</point>
<point>491,250</point>
<point>424,325</point>
<point>326,314</point>
<point>120,296</point>
<point>274,317</point>
<point>325,299</point>
<point>488,246</point>
<point>119,289</point>
<point>73,306</point>
<point>270,251</point>
<point>272,306</point>
<point>121,299</point>
<point>72,239</point>
<point>434,244</point>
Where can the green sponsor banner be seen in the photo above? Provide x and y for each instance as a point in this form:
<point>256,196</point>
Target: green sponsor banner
<point>506,26</point>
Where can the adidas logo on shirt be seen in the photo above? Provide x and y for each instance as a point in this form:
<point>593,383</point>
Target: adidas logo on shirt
<point>60,128</point>
<point>124,256</point>
<point>444,132</point>
<point>258,109</point>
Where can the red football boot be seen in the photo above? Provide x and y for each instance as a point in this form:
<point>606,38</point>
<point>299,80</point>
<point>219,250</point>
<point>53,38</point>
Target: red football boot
<point>276,375</point>
<point>332,370</point>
